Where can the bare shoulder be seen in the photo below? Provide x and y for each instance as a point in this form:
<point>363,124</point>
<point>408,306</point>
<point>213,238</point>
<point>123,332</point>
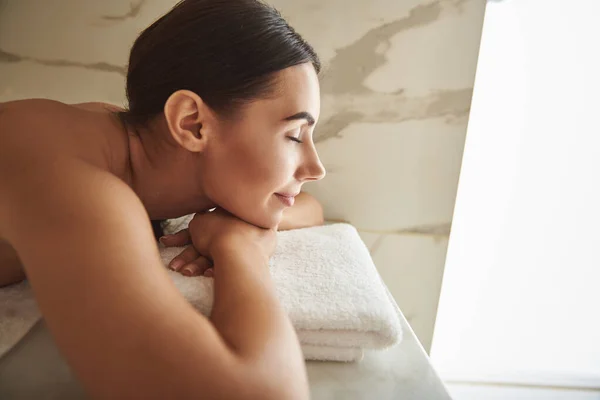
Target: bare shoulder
<point>44,129</point>
<point>41,119</point>
<point>9,109</point>
<point>30,106</point>
<point>32,112</point>
<point>32,132</point>
<point>97,106</point>
<point>37,135</point>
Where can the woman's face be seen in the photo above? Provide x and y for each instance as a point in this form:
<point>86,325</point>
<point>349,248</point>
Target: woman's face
<point>259,162</point>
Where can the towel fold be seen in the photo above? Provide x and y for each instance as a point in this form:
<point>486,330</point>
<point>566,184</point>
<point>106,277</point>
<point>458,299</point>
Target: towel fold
<point>324,277</point>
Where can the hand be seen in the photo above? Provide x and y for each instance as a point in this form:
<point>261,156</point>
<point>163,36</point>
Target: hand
<point>214,234</point>
<point>189,262</point>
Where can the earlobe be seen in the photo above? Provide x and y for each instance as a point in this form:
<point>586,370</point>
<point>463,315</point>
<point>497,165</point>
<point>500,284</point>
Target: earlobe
<point>183,113</point>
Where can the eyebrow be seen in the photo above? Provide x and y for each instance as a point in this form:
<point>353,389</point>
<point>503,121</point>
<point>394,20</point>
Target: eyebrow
<point>302,115</point>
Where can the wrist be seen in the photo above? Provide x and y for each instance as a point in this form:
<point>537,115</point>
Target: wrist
<point>234,247</point>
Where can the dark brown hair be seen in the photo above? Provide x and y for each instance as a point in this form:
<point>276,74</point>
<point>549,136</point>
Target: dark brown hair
<point>226,51</point>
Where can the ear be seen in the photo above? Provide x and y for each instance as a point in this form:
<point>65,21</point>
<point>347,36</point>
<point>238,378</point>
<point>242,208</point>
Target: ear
<point>188,119</point>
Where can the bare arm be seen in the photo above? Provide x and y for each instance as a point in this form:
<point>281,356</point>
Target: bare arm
<point>306,212</point>
<point>87,247</point>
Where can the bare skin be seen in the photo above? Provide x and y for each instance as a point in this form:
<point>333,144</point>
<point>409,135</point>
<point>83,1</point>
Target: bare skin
<point>305,212</point>
<point>77,194</point>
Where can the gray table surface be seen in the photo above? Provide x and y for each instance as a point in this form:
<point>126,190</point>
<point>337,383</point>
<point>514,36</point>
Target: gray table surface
<point>34,369</point>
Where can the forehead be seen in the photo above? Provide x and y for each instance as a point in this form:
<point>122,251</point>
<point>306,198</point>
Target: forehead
<point>297,90</point>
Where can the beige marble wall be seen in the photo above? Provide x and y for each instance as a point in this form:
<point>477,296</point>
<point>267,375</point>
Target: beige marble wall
<point>396,96</point>
<point>396,92</point>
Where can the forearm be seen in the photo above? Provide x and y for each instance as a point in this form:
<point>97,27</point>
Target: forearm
<point>305,212</point>
<point>249,317</point>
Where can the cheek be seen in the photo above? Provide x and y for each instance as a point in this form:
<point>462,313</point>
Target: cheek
<point>250,174</point>
<point>269,169</point>
<point>244,184</point>
<point>281,172</point>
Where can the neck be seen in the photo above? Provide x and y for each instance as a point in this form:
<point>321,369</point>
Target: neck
<point>163,174</point>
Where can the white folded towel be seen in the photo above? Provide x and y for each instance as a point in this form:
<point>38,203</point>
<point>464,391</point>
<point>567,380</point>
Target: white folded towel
<point>325,280</point>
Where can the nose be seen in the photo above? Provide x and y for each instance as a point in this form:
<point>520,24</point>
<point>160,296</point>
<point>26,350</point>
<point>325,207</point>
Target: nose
<point>312,169</point>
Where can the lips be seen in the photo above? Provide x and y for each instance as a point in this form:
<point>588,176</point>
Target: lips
<point>286,198</point>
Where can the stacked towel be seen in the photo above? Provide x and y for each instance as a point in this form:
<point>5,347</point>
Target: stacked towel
<point>325,280</point>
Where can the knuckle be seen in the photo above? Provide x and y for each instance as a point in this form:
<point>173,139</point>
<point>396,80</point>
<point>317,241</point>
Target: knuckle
<point>191,251</point>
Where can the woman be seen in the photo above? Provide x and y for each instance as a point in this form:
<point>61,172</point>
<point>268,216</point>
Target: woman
<point>223,99</point>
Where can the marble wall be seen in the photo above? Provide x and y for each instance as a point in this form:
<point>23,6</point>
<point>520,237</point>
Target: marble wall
<point>396,93</point>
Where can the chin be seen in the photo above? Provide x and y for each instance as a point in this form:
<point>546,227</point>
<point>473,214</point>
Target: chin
<point>268,218</point>
<point>268,221</point>
<point>265,218</point>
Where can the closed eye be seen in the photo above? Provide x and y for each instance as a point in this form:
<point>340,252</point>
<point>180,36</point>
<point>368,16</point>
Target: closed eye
<point>295,139</point>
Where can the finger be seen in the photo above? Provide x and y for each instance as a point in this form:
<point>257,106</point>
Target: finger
<point>210,272</point>
<point>196,267</point>
<point>179,239</point>
<point>185,257</point>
